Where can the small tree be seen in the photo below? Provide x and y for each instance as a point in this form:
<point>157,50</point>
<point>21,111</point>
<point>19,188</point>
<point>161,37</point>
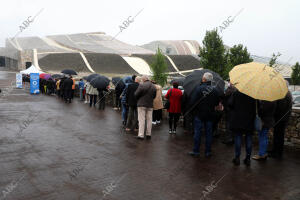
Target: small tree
<point>159,68</point>
<point>236,55</point>
<point>274,59</point>
<point>212,54</point>
<point>295,77</point>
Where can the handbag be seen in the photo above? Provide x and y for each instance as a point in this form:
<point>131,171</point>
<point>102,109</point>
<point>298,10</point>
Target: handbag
<point>257,121</point>
<point>167,104</point>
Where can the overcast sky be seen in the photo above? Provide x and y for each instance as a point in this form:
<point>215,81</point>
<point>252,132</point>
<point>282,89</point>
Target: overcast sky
<point>263,26</point>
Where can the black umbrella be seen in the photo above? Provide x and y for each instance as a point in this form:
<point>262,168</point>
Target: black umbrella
<point>180,81</point>
<point>84,78</point>
<point>91,77</point>
<point>195,78</point>
<point>116,80</point>
<point>56,76</point>
<point>100,82</point>
<point>69,71</point>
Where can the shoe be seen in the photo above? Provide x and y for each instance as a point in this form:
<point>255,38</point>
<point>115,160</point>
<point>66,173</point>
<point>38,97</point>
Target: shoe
<point>236,161</point>
<point>158,122</point>
<point>127,129</point>
<point>154,123</point>
<point>194,154</point>
<point>170,131</point>
<point>247,161</point>
<point>258,157</point>
<point>174,131</point>
<point>148,137</point>
<point>136,130</point>
<point>139,138</point>
<point>274,155</point>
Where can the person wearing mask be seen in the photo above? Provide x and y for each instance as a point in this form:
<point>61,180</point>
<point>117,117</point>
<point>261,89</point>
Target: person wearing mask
<point>266,111</point>
<point>174,95</point>
<point>68,82</point>
<point>281,116</point>
<point>93,92</point>
<point>81,88</point>
<point>132,120</point>
<point>145,94</point>
<point>242,117</point>
<point>204,99</point>
<point>157,104</point>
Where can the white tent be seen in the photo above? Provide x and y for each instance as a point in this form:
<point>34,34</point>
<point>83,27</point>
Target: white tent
<point>31,69</point>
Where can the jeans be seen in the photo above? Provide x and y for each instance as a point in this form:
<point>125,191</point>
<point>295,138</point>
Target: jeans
<point>238,144</point>
<point>124,112</point>
<point>93,99</point>
<point>81,94</point>
<point>198,125</point>
<point>263,141</point>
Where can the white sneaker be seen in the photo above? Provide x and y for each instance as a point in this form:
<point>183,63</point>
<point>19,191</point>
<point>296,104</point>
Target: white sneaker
<point>158,122</point>
<point>115,108</point>
<point>154,123</point>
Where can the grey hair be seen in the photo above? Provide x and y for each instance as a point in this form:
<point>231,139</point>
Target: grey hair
<point>145,78</point>
<point>138,79</point>
<point>208,76</point>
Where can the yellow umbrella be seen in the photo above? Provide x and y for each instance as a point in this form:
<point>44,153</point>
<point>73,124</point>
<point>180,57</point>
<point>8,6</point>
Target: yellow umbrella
<point>258,81</point>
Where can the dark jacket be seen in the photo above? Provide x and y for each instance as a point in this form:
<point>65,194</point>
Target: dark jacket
<point>204,99</point>
<point>130,97</point>
<point>145,94</point>
<point>266,111</point>
<point>283,108</point>
<point>68,84</point>
<point>119,89</point>
<point>242,112</point>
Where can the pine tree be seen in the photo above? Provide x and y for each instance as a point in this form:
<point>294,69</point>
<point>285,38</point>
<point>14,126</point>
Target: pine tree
<point>274,59</point>
<point>212,54</point>
<point>295,77</point>
<point>159,68</point>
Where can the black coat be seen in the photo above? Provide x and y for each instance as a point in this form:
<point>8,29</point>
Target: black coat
<point>68,84</point>
<point>119,89</point>
<point>203,101</point>
<point>130,97</point>
<point>242,112</point>
<point>266,111</point>
<point>283,108</point>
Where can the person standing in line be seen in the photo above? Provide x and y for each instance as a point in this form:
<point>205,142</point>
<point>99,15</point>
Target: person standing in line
<point>57,88</point>
<point>81,88</point>
<point>62,88</point>
<point>123,100</point>
<point>145,94</point>
<point>102,98</point>
<point>204,99</point>
<point>266,111</point>
<point>93,92</point>
<point>68,82</point>
<point>132,120</point>
<point>73,87</point>
<point>174,95</point>
<point>87,95</point>
<point>242,117</point>
<point>157,105</point>
<point>118,91</point>
<point>282,114</point>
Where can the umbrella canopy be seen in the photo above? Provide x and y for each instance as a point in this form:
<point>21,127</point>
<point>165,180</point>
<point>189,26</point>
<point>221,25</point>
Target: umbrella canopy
<point>84,78</point>
<point>127,79</point>
<point>56,76</point>
<point>116,80</point>
<point>100,82</point>
<point>92,76</point>
<point>69,71</point>
<point>195,78</point>
<point>180,81</point>
<point>45,76</point>
<point>258,81</point>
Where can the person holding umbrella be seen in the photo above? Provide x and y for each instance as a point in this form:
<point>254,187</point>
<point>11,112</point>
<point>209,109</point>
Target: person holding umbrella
<point>260,82</point>
<point>204,99</point>
<point>93,93</point>
<point>68,82</point>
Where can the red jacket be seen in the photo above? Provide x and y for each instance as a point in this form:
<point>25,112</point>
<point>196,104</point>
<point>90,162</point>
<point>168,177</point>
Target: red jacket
<point>175,100</point>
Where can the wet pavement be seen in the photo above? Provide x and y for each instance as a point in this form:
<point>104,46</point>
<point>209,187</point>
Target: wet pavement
<point>51,150</point>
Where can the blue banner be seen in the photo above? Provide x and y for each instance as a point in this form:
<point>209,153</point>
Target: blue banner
<point>34,83</point>
<point>19,80</point>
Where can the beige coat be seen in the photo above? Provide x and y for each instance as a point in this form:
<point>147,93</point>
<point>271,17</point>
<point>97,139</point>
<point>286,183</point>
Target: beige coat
<point>157,102</point>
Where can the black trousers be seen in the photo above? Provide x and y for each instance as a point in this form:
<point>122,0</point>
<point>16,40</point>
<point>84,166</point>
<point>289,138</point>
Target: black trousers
<point>93,99</point>
<point>118,101</point>
<point>278,138</point>
<point>68,95</point>
<point>101,102</point>
<point>157,115</point>
<point>173,119</point>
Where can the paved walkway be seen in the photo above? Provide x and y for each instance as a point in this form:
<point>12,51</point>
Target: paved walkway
<point>50,150</point>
